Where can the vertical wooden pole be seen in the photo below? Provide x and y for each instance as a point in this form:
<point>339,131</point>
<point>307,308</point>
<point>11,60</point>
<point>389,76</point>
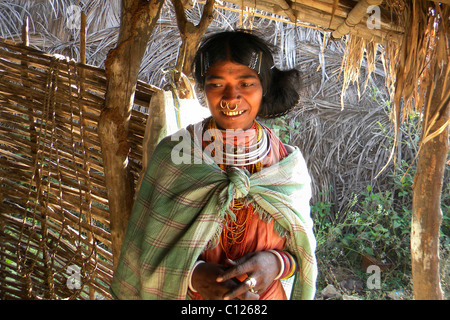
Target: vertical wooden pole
<point>426,208</point>
<point>25,83</point>
<point>83,125</point>
<point>83,38</point>
<point>241,15</point>
<point>138,18</point>
<point>25,37</point>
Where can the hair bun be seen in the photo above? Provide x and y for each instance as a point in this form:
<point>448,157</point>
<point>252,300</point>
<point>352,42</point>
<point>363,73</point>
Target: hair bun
<point>282,95</point>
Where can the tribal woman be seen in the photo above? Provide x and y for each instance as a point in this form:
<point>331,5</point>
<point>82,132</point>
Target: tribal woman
<point>223,209</point>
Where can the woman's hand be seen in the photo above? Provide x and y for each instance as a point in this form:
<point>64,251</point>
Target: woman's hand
<point>204,281</point>
<point>262,266</point>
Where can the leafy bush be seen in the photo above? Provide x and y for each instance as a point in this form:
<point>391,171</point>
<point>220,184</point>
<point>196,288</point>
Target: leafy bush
<point>376,224</point>
<point>371,218</point>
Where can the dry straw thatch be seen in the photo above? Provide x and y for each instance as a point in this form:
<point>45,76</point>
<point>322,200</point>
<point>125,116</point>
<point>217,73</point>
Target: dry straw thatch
<point>411,65</point>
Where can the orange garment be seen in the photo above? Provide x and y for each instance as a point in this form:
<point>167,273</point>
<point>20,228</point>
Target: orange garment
<point>253,234</point>
<point>261,236</point>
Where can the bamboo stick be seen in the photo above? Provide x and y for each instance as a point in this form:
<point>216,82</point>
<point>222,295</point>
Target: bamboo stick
<point>286,8</point>
<point>84,125</point>
<point>354,17</point>
<point>447,2</point>
<point>25,28</point>
<point>83,38</point>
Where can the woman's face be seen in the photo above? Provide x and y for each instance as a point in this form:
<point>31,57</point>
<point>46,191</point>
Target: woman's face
<point>234,84</point>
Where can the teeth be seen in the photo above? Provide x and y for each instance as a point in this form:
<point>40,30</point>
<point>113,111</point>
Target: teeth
<point>233,113</point>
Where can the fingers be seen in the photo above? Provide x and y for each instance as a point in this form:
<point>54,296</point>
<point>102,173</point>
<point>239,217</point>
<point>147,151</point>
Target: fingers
<point>242,292</point>
<point>261,266</point>
<point>240,269</point>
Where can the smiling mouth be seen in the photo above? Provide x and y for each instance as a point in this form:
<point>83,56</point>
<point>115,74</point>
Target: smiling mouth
<point>233,113</point>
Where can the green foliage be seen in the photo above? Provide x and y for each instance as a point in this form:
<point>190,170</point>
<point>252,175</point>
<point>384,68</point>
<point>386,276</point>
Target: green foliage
<point>369,226</point>
<point>375,229</point>
<point>282,129</point>
<point>377,224</point>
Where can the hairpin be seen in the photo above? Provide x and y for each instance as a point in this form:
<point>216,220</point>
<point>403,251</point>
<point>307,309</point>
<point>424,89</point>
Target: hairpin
<point>204,63</point>
<point>255,60</point>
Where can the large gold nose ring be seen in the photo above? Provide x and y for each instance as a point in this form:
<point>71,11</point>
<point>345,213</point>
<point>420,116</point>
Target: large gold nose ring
<point>224,104</point>
<point>235,106</point>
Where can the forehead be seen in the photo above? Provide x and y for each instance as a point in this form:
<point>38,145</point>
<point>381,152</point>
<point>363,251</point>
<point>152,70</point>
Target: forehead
<point>228,68</point>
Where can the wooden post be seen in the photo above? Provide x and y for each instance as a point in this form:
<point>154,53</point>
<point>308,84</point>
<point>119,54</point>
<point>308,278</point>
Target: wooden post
<point>25,82</point>
<point>426,207</point>
<point>122,66</point>
<point>83,38</point>
<point>88,213</point>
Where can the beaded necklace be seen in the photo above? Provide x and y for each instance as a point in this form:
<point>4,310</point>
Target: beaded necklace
<point>234,233</point>
<point>234,147</point>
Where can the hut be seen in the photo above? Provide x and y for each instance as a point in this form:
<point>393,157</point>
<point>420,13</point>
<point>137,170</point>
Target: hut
<point>74,145</point>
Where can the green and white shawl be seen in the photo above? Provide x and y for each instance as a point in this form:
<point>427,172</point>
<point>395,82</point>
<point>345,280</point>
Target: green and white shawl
<point>179,209</point>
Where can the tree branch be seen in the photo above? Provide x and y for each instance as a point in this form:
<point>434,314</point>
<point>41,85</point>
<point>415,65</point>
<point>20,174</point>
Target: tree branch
<point>190,34</point>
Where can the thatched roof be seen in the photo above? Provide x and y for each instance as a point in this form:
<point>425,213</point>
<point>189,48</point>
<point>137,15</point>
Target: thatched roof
<point>338,17</point>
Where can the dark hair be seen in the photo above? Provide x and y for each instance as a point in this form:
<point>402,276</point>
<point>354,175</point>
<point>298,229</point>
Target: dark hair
<point>279,87</point>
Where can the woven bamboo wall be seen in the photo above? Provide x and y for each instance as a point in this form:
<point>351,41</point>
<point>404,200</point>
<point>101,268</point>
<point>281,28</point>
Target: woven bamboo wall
<point>54,221</point>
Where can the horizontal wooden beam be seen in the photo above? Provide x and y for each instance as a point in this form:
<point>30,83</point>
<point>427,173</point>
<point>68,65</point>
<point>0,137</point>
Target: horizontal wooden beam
<point>442,1</point>
<point>355,16</point>
<point>286,8</point>
<point>318,13</point>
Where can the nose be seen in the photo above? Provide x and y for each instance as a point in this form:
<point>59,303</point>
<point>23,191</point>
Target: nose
<point>231,93</point>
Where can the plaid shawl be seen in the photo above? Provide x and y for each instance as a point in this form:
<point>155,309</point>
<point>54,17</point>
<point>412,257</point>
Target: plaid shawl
<point>179,209</point>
